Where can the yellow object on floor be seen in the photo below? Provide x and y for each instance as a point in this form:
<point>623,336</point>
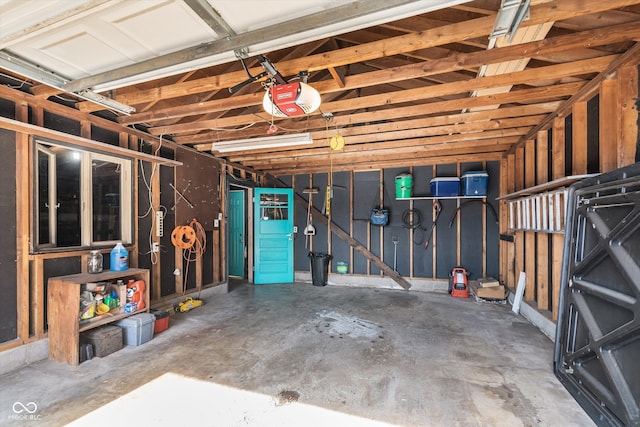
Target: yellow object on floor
<point>187,305</point>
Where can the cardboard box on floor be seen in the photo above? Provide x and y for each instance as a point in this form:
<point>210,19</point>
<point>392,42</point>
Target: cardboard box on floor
<point>487,282</point>
<point>490,293</point>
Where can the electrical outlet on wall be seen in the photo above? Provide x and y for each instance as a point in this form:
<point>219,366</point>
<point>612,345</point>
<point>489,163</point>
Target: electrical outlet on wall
<point>155,247</point>
<point>216,223</point>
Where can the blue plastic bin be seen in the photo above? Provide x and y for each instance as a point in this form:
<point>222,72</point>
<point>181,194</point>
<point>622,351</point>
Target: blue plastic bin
<point>474,183</point>
<point>445,187</point>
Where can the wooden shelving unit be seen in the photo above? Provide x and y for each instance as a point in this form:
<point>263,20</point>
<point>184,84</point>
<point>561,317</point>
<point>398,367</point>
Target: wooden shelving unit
<point>64,310</point>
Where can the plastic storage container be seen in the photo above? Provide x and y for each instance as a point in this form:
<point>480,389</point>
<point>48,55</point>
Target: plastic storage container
<point>119,259</point>
<point>137,329</point>
<point>104,340</point>
<point>319,268</point>
<point>445,187</point>
<point>162,321</point>
<point>404,186</point>
<point>474,183</point>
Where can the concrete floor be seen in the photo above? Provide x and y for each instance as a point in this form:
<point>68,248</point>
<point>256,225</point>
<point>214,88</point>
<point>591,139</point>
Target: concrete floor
<point>305,355</point>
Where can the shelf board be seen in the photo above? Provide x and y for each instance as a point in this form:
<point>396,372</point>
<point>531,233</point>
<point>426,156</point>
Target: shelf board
<point>440,198</point>
<point>103,276</point>
<point>551,185</point>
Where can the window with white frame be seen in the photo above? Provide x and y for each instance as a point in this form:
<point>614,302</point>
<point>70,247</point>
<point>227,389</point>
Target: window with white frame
<point>81,198</point>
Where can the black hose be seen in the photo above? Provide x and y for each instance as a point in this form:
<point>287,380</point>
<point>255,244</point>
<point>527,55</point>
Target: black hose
<point>493,211</point>
<point>412,219</point>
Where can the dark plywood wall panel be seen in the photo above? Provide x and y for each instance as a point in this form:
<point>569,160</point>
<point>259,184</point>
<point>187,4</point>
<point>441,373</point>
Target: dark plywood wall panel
<point>207,260</point>
<point>469,214</point>
<point>410,251</point>
<point>593,135</point>
<point>340,216</point>
<point>7,108</point>
<point>493,230</point>
<point>167,263</point>
<point>62,124</point>
<point>8,254</point>
<point>396,229</point>
<point>365,186</point>
<point>302,242</point>
<point>61,267</point>
<point>422,256</point>
<point>104,135</point>
<point>568,147</point>
<point>198,181</point>
<point>320,241</point>
<point>446,243</point>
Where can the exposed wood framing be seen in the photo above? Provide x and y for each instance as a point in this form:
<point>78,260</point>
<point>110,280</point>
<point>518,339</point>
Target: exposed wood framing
<point>579,140</point>
<point>530,236</point>
<point>558,171</point>
<point>609,125</point>
<point>23,198</point>
<point>628,107</point>
<point>542,239</point>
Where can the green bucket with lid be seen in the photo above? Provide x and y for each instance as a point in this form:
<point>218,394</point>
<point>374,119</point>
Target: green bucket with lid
<point>404,186</point>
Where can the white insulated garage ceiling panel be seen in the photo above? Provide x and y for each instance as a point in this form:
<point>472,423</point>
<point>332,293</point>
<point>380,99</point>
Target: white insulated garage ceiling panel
<point>77,39</point>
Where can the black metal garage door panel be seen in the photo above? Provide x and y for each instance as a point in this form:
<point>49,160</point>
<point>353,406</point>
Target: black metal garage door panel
<point>597,350</point>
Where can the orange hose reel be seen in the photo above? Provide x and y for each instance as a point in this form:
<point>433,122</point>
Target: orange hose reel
<point>183,236</point>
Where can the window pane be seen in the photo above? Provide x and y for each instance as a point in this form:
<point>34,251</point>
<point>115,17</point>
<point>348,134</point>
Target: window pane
<point>107,213</point>
<point>274,206</point>
<point>43,198</point>
<point>68,169</point>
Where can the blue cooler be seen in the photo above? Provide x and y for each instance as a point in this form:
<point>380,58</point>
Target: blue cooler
<point>474,183</point>
<point>445,187</point>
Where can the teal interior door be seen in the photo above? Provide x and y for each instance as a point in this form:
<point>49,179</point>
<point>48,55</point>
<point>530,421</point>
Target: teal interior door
<point>237,234</point>
<point>273,232</point>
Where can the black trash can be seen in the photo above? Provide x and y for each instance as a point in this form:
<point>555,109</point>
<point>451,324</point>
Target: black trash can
<point>319,268</point>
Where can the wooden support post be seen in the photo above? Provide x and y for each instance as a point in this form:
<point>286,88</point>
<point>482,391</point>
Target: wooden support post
<point>542,238</point>
<point>609,125</point>
<point>558,171</point>
<point>217,249</point>
<point>518,173</point>
<point>578,139</point>
<point>155,273</point>
<point>530,236</point>
<point>37,299</point>
<point>23,198</point>
<point>628,133</point>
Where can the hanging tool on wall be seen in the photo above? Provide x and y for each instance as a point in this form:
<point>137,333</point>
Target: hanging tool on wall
<point>395,241</point>
<point>181,196</point>
<point>336,143</point>
<point>438,208</point>
<point>309,230</point>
